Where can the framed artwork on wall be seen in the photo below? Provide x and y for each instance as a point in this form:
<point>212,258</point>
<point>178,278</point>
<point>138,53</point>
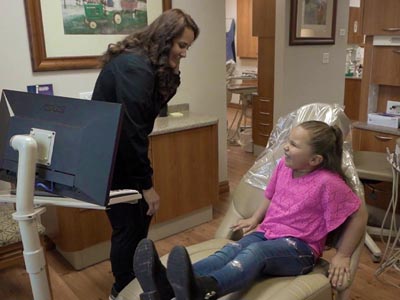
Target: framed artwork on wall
<point>72,34</point>
<point>312,22</point>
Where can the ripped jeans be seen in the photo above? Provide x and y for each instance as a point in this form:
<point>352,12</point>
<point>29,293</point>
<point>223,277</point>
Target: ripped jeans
<point>238,264</point>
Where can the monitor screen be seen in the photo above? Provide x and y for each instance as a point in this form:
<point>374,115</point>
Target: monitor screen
<point>84,143</point>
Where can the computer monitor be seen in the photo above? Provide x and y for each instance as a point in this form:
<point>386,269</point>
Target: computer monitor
<point>84,142</point>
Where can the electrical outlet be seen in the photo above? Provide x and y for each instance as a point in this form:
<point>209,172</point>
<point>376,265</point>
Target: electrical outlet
<point>325,58</point>
<point>86,95</point>
<point>342,31</point>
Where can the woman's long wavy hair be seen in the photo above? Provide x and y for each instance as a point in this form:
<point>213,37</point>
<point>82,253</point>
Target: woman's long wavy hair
<point>155,41</point>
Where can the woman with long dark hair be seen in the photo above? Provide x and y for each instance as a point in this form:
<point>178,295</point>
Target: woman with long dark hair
<point>142,73</point>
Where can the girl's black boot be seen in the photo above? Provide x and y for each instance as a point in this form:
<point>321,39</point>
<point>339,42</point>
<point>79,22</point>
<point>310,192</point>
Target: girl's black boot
<point>184,283</point>
<point>151,273</point>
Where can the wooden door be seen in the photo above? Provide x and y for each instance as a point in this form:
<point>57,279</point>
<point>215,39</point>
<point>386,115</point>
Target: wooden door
<point>247,44</point>
<point>386,65</point>
<point>355,32</point>
<point>352,90</point>
<point>185,167</point>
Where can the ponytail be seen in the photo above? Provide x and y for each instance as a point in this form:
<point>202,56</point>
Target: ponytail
<point>326,141</point>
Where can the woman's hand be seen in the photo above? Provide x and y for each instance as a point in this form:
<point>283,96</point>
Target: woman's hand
<point>245,224</point>
<point>339,269</point>
<point>152,199</point>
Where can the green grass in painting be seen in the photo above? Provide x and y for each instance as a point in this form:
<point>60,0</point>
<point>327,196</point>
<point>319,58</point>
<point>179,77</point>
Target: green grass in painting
<point>75,24</point>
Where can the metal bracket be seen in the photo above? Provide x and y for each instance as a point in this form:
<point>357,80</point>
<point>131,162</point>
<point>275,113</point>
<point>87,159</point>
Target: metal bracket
<point>45,141</point>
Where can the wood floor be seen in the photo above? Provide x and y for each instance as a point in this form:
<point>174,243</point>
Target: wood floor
<point>95,282</point>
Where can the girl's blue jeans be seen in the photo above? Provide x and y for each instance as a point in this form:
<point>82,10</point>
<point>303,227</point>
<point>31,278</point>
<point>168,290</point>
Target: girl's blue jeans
<point>238,264</point>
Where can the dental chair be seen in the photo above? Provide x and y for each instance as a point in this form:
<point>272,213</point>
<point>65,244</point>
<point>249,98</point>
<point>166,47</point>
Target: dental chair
<point>250,193</point>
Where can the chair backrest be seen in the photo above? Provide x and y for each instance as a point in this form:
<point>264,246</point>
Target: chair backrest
<point>250,191</point>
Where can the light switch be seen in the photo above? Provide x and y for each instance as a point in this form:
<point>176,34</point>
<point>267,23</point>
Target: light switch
<point>325,58</point>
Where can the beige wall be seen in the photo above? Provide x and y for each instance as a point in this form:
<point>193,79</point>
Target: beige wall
<point>300,75</point>
<point>242,64</point>
<point>203,72</point>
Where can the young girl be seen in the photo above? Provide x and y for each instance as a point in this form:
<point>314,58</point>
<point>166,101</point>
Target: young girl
<point>307,197</point>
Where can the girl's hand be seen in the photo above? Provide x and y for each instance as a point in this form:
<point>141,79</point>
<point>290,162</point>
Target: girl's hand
<point>152,199</point>
<point>339,270</point>
<point>245,224</point>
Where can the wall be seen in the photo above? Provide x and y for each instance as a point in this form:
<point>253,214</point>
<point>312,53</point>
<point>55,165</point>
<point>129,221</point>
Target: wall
<point>300,75</point>
<point>242,64</point>
<point>203,72</point>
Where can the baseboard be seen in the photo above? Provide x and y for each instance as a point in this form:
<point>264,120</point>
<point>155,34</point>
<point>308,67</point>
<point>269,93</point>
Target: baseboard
<point>162,230</point>
<point>89,256</point>
<point>223,187</point>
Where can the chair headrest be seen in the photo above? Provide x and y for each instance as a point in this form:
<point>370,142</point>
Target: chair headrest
<point>332,114</point>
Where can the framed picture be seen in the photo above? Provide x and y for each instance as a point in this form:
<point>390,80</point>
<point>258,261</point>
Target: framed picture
<point>312,22</point>
<point>53,47</point>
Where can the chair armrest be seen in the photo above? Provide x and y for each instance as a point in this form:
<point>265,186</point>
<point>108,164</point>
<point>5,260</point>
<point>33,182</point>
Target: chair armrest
<point>224,230</point>
<point>355,258</point>
<point>243,203</point>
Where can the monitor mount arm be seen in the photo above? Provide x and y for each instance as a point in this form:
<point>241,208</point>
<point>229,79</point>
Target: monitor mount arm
<point>26,215</point>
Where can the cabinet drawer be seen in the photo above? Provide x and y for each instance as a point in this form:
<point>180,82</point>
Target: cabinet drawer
<point>262,126</point>
<point>386,66</point>
<point>261,134</point>
<point>381,17</point>
<point>262,108</point>
<point>265,105</point>
<point>365,140</point>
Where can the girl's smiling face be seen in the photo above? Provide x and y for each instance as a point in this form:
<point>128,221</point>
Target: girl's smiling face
<point>298,152</point>
<point>179,48</point>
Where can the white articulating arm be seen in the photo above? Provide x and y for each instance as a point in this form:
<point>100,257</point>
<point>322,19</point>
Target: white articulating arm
<point>26,216</point>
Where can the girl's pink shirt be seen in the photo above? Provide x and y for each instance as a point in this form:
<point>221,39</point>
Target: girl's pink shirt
<point>307,207</point>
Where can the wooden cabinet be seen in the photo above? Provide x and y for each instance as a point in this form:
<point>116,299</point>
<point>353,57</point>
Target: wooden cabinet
<point>352,89</point>
<point>80,228</point>
<point>185,167</point>
<point>366,140</point>
<point>262,122</point>
<point>386,65</point>
<point>263,103</point>
<point>377,194</point>
<point>381,78</point>
<point>355,32</point>
<point>381,17</point>
<point>247,44</point>
<point>264,18</point>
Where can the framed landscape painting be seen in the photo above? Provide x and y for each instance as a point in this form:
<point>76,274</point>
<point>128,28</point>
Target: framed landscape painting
<point>72,34</point>
<point>312,22</point>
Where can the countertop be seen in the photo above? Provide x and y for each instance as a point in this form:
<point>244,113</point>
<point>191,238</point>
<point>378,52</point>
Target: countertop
<point>185,120</point>
<point>353,77</point>
<point>382,129</point>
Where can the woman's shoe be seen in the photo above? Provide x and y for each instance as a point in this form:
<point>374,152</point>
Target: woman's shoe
<point>151,273</point>
<point>186,286</point>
